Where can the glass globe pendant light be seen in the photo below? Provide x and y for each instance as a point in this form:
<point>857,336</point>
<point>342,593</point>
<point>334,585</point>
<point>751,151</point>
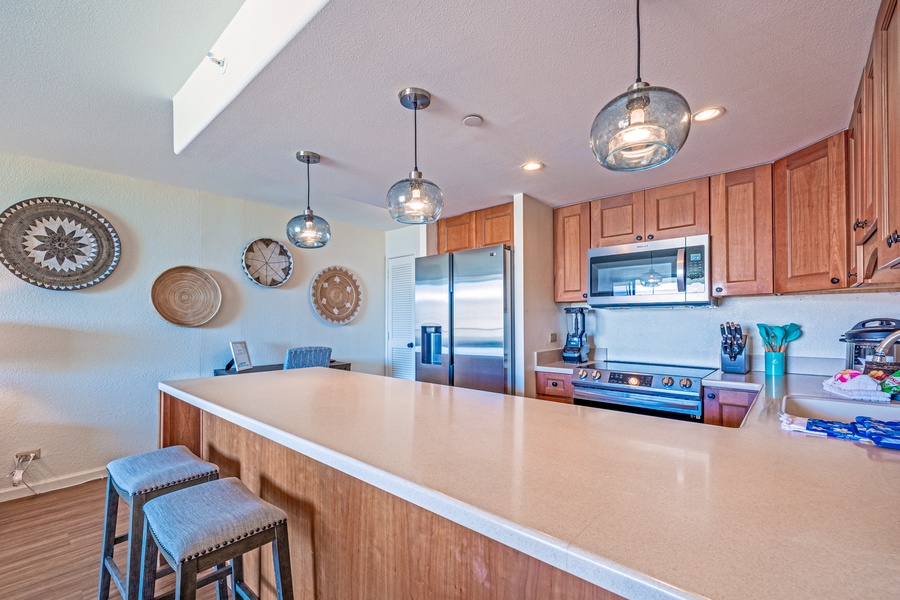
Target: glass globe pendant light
<point>308,230</point>
<point>415,200</point>
<point>642,128</point>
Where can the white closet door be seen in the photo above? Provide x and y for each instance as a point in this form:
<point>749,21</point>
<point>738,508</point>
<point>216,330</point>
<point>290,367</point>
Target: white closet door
<point>401,311</point>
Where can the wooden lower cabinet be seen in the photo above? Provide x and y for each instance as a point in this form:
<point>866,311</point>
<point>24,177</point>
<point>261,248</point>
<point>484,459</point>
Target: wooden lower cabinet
<point>554,386</point>
<point>741,232</point>
<point>726,407</point>
<point>350,539</point>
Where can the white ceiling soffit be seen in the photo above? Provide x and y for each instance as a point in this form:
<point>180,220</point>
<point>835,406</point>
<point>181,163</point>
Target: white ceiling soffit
<point>258,32</point>
<point>538,72</point>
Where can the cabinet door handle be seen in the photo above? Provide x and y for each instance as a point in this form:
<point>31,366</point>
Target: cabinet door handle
<point>639,238</point>
<point>893,239</point>
<point>584,295</point>
<point>650,237</point>
<point>860,224</point>
<point>554,383</point>
<point>851,275</point>
<point>835,280</point>
<point>719,290</point>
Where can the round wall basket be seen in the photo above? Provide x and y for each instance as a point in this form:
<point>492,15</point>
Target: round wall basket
<point>186,296</point>
<point>267,262</point>
<point>57,244</point>
<point>336,296</point>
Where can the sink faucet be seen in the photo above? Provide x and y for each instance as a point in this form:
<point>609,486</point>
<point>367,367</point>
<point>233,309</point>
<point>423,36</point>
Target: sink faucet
<point>886,343</point>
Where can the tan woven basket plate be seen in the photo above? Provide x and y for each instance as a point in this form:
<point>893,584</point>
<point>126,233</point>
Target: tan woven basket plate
<point>336,296</point>
<point>186,296</point>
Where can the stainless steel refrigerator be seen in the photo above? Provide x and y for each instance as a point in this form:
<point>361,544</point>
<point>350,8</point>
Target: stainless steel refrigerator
<point>464,310</point>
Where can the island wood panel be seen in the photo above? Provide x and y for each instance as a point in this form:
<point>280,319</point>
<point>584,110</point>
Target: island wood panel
<point>456,233</point>
<point>350,540</point>
<point>571,239</point>
<point>741,232</point>
<point>494,226</point>
<point>889,105</point>
<point>617,220</point>
<point>677,210</point>
<point>179,423</point>
<point>811,218</point>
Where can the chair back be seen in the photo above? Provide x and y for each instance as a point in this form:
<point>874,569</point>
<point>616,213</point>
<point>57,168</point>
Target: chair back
<point>307,356</point>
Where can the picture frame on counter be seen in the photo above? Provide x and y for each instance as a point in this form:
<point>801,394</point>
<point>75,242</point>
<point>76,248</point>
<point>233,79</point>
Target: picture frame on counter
<point>241,356</point>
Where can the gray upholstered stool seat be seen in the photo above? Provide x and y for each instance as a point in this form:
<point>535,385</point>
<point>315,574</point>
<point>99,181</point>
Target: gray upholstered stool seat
<point>209,525</point>
<point>137,479</point>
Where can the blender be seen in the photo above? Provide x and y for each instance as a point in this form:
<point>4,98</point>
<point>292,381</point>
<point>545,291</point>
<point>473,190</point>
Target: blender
<point>576,350</point>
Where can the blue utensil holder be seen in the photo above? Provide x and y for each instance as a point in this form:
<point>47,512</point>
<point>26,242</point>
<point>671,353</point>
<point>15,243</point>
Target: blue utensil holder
<point>774,363</point>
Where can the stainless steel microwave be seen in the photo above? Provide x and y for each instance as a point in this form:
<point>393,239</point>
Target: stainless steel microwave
<point>671,272</point>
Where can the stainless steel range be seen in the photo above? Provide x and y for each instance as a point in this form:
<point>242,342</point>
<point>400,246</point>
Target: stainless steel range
<point>668,391</point>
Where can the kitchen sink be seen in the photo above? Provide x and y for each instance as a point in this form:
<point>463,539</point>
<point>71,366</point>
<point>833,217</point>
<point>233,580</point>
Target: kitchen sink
<point>838,409</point>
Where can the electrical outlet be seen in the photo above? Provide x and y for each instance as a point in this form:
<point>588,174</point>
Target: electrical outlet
<point>26,454</point>
<point>552,337</point>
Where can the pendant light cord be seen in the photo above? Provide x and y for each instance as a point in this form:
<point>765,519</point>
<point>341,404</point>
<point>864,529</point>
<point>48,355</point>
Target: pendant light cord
<point>307,186</point>
<point>638,41</point>
<point>415,136</point>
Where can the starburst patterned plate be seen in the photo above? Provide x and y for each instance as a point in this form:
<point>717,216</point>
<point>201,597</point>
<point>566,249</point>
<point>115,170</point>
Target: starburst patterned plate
<point>57,244</point>
<point>336,296</point>
<point>267,262</point>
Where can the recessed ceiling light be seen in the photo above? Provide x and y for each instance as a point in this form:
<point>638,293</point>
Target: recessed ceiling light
<point>532,166</point>
<point>708,113</point>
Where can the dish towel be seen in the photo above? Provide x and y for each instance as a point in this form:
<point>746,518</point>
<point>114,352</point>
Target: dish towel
<point>856,386</point>
<point>885,434</point>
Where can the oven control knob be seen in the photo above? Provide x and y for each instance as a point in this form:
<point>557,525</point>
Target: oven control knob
<point>595,375</point>
<point>668,381</point>
<point>582,374</point>
<point>686,383</point>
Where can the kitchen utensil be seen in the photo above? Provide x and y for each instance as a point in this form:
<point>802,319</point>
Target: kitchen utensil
<point>778,333</point>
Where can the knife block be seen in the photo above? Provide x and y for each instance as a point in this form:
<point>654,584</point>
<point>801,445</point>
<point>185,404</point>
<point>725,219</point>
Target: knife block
<point>740,364</point>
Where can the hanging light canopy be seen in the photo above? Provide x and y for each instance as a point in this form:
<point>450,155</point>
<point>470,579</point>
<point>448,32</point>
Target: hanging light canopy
<point>642,128</point>
<point>308,230</point>
<point>415,200</point>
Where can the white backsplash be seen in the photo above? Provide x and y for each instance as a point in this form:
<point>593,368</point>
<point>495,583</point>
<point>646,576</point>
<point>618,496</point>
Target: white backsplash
<point>690,336</point>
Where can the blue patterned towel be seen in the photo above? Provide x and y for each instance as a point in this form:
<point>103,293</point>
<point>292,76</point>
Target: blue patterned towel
<point>885,434</point>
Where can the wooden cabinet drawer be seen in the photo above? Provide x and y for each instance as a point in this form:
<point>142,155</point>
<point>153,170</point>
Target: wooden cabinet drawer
<point>726,407</point>
<point>554,386</point>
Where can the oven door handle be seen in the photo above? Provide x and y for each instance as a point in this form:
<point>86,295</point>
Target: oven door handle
<point>689,406</point>
<point>679,270</point>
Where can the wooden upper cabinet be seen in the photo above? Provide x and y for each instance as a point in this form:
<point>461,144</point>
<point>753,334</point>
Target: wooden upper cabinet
<point>494,225</point>
<point>617,220</point>
<point>671,211</point>
<point>456,233</point>
<point>888,131</point>
<point>811,218</point>
<point>476,229</point>
<point>571,239</point>
<point>865,196</point>
<point>741,232</point>
<point>677,210</point>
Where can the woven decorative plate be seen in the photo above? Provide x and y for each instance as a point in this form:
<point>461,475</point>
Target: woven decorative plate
<point>267,262</point>
<point>57,244</point>
<point>336,295</point>
<point>186,296</point>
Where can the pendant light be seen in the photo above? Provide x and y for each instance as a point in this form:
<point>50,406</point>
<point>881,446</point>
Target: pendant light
<point>308,230</point>
<point>642,128</point>
<point>415,200</point>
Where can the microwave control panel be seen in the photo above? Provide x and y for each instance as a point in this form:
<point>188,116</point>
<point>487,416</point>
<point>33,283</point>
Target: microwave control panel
<point>695,267</point>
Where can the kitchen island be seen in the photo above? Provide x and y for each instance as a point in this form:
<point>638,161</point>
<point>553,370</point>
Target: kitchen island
<point>403,489</point>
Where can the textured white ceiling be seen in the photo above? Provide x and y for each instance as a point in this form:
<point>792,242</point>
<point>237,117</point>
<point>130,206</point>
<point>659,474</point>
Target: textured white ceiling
<point>90,84</point>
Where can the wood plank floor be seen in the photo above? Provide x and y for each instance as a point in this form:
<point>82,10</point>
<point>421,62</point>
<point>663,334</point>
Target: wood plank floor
<point>50,545</point>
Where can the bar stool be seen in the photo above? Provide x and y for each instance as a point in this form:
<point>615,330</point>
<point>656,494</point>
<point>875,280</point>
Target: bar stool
<point>138,479</point>
<point>207,526</point>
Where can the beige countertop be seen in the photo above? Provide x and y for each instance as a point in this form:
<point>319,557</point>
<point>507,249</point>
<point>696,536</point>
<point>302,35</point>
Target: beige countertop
<point>642,506</point>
